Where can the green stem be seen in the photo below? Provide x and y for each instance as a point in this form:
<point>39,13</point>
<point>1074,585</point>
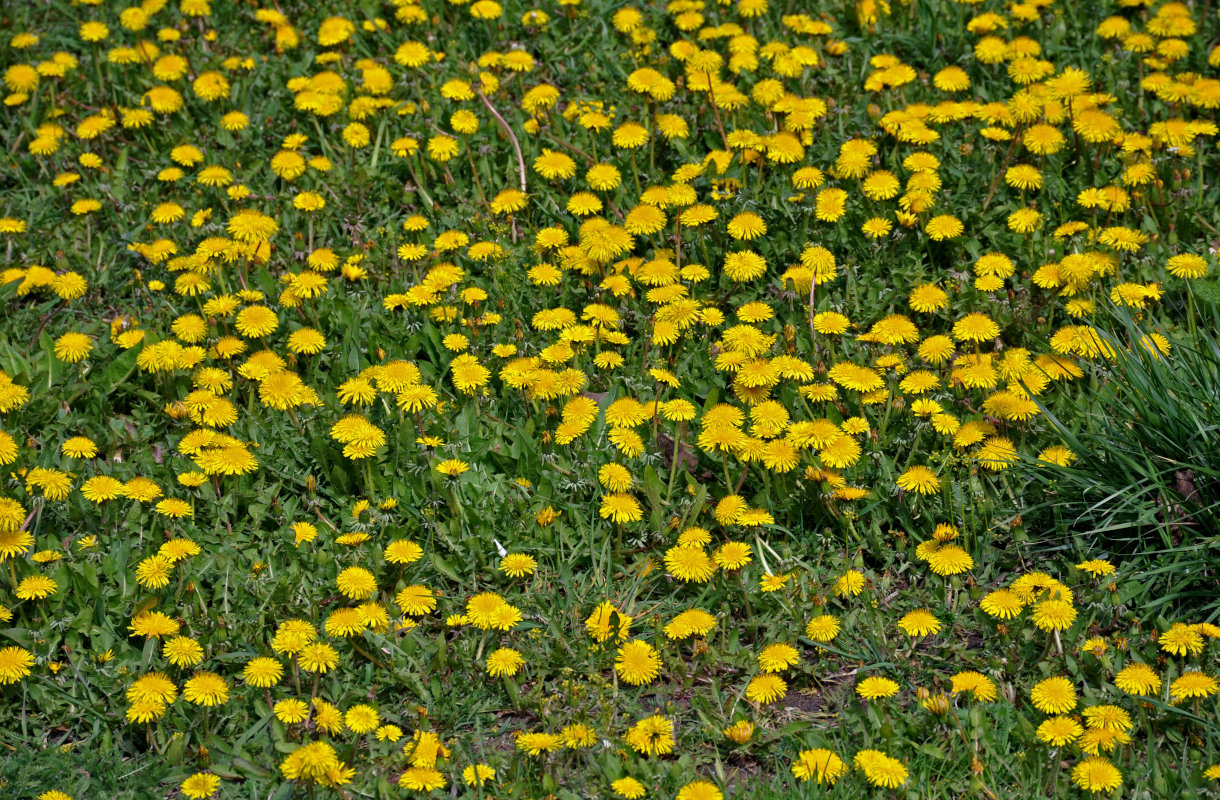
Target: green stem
<point>674,461</point>
<point>1190,311</point>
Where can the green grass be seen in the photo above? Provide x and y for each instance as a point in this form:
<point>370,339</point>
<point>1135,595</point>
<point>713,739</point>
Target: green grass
<point>821,466</point>
<point>1146,486</point>
<point>84,769</point>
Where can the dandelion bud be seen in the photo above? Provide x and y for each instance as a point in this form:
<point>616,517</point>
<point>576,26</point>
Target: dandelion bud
<point>740,732</point>
<point>938,704</point>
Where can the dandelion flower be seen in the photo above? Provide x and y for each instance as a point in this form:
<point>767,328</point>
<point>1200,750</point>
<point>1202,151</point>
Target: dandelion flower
<point>1192,684</point>
<point>628,788</point>
<point>1181,640</point>
<point>689,564</point>
<point>818,764</point>
<point>880,769</point>
<point>822,629</point>
<point>356,583</point>
<point>1059,731</point>
<point>206,689</point>
<point>518,565</point>
<point>1097,775</point>
<point>766,688</point>
<point>637,663</point>
<point>15,663</point>
<point>1002,604</point>
<point>262,672</point>
<point>919,623</point>
<point>1054,696</point>
<point>700,790</point>
<point>1139,680</point>
<point>777,657</point>
<point>36,587</point>
<point>504,661</point>
<point>919,479</point>
<point>875,687</point>
<point>1054,615</point>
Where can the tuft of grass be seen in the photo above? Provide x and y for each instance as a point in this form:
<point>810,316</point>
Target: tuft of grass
<point>88,770</point>
<point>1145,484</point>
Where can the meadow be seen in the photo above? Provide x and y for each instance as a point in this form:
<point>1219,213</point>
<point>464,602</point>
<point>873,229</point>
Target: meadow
<point>609,399</point>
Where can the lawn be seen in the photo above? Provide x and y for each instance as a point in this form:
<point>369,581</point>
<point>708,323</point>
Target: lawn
<point>588,399</point>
